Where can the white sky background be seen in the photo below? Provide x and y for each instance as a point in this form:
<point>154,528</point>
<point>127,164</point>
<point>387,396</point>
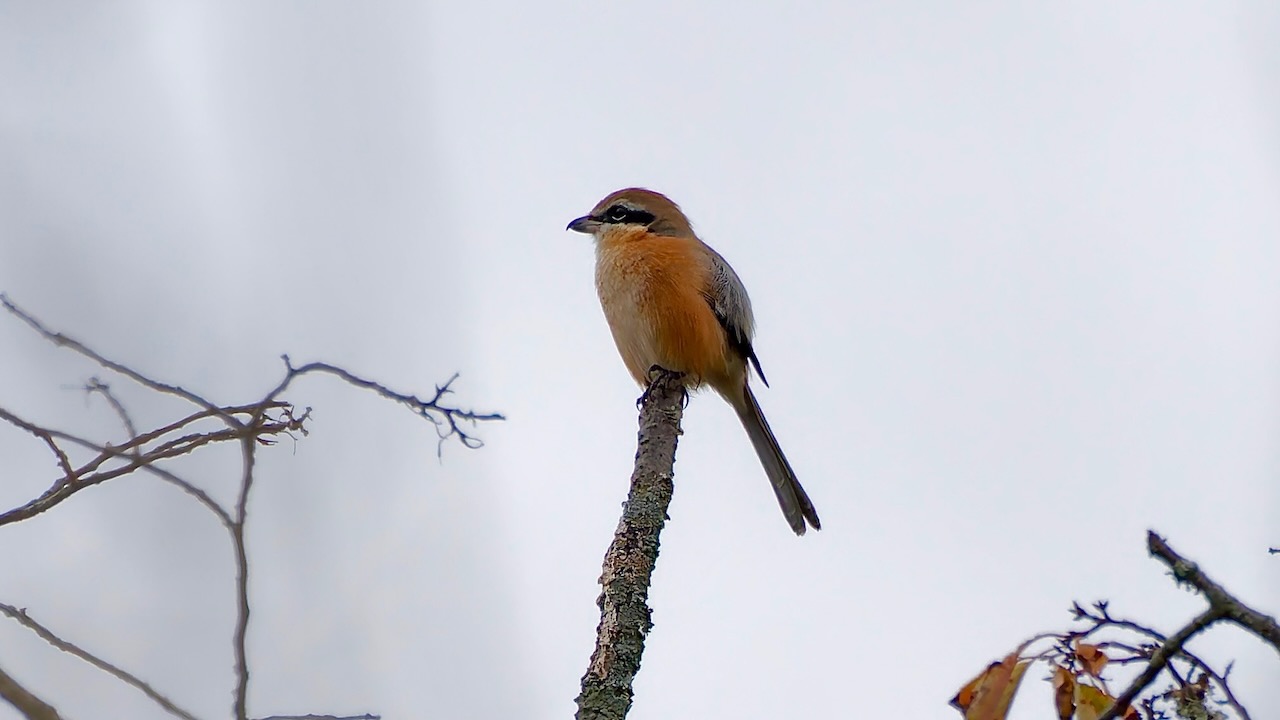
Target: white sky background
<point>1014,268</point>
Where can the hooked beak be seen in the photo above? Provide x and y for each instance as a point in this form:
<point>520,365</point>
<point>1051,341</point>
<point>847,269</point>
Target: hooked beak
<point>585,224</point>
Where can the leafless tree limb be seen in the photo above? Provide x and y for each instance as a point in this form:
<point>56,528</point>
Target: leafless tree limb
<point>625,617</point>
<point>1222,606</point>
<point>31,707</point>
<point>48,636</point>
<point>1186,571</point>
<point>254,424</point>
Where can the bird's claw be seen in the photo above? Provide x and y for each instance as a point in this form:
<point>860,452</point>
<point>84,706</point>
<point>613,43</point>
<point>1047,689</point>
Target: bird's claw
<point>656,373</point>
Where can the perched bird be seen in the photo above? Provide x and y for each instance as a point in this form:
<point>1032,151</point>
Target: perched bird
<point>673,302</point>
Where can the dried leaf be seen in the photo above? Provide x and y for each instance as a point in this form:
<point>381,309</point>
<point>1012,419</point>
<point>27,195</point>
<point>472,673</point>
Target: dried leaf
<point>1091,658</point>
<point>988,696</point>
<point>1092,702</point>
<point>1064,692</point>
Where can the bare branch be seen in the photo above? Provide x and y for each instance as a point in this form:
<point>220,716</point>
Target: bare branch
<point>1185,571</point>
<point>1101,618</point>
<point>625,617</point>
<point>248,449</point>
<point>75,345</point>
<point>68,647</point>
<point>31,707</point>
<point>446,425</point>
<point>1221,680</point>
<point>1222,606</point>
<point>97,386</point>
<point>366,716</point>
<point>200,495</point>
<point>253,424</point>
<point>1166,651</point>
<point>87,477</point>
<point>68,475</point>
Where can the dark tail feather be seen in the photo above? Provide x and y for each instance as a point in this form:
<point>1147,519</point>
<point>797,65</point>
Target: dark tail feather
<point>795,504</point>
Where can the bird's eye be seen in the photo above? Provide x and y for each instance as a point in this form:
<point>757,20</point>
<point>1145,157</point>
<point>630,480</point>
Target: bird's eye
<point>623,215</point>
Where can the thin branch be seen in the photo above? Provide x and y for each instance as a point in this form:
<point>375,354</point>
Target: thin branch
<point>446,427</point>
<point>1222,606</point>
<point>1167,650</point>
<point>1219,680</point>
<point>249,424</point>
<point>625,617</point>
<point>75,345</point>
<point>248,450</point>
<point>97,386</point>
<point>22,699</point>
<point>68,474</point>
<point>1102,618</point>
<point>186,486</point>
<point>68,647</point>
<point>88,475</point>
<point>1186,571</point>
<point>223,412</point>
<point>366,716</point>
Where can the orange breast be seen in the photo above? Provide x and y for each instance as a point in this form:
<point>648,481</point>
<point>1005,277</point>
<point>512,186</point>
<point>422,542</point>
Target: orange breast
<point>651,289</point>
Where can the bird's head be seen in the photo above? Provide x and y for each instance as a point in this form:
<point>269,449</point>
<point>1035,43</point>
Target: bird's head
<point>631,209</point>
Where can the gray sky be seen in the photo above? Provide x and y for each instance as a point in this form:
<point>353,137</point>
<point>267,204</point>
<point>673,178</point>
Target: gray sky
<point>1014,269</point>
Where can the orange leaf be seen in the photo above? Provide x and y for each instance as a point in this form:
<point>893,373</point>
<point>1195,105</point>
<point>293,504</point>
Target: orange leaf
<point>1092,659</point>
<point>1064,692</point>
<point>988,696</point>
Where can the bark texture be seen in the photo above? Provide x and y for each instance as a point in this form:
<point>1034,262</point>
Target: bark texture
<point>628,564</point>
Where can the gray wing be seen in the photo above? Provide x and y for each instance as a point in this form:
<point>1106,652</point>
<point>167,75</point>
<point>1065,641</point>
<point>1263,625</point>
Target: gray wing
<point>729,301</point>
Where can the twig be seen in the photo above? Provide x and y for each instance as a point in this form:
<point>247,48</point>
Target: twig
<point>68,475</point>
<point>186,486</point>
<point>1220,680</point>
<point>1167,650</point>
<point>625,617</point>
<point>68,647</point>
<point>428,409</point>
<point>75,345</point>
<point>31,707</point>
<point>97,386</point>
<point>366,716</point>
<point>87,477</point>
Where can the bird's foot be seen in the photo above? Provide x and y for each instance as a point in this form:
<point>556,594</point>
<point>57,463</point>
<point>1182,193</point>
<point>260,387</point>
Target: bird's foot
<point>657,374</point>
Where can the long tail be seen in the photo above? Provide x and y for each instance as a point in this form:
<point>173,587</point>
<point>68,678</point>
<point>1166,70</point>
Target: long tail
<point>795,504</point>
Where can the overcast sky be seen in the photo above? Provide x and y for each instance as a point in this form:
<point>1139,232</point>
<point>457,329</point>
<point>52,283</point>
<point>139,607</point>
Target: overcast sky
<point>1015,275</point>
